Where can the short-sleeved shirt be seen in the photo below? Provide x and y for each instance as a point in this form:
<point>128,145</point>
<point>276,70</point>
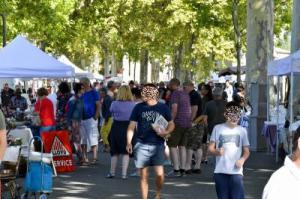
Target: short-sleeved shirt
<point>195,100</point>
<point>184,111</point>
<point>106,104</point>
<point>121,110</point>
<point>75,109</point>
<point>20,103</point>
<point>89,100</point>
<point>146,115</point>
<point>2,121</point>
<point>6,96</point>
<point>214,110</point>
<point>46,112</point>
<point>232,140</point>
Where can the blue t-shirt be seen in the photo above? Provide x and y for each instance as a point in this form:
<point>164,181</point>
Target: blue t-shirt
<point>145,115</point>
<point>89,100</point>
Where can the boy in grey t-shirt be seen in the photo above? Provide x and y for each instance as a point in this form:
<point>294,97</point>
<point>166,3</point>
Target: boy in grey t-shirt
<point>229,143</point>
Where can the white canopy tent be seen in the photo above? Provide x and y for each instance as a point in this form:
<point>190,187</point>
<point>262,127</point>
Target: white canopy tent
<point>78,71</point>
<point>285,66</point>
<point>21,59</point>
<point>288,66</point>
<point>98,76</point>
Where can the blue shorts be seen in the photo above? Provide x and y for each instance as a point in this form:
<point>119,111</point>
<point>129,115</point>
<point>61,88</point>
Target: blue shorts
<point>146,155</point>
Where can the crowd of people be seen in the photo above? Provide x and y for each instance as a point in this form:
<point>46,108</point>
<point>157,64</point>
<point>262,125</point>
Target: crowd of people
<point>194,121</point>
<point>124,116</point>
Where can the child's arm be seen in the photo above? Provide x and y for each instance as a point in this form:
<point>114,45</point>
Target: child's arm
<point>245,156</point>
<point>214,151</point>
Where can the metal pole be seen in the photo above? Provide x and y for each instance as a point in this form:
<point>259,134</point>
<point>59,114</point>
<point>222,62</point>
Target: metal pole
<point>277,122</point>
<point>291,101</point>
<point>268,97</point>
<point>3,29</point>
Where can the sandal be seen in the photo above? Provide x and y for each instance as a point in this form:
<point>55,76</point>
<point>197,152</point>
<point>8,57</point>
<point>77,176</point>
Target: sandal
<point>84,163</point>
<point>94,162</point>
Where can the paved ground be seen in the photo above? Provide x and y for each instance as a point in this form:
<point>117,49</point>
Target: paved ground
<point>90,182</point>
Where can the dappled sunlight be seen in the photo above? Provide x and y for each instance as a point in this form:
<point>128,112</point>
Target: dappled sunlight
<point>170,183</point>
<point>249,197</point>
<point>91,183</point>
<point>122,195</point>
<point>206,183</point>
<point>64,176</point>
<point>80,183</point>
<point>182,185</point>
<point>265,170</point>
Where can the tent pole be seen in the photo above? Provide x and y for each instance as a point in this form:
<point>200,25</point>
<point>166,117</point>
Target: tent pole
<point>292,96</point>
<point>277,122</point>
<point>268,96</point>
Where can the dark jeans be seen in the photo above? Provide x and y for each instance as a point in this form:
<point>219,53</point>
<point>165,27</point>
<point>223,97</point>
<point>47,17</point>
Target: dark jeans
<point>229,186</point>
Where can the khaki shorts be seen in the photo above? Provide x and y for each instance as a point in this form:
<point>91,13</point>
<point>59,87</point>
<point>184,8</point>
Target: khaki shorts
<point>178,137</point>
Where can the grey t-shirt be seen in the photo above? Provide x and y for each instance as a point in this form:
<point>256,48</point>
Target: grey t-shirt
<point>215,113</point>
<point>232,140</point>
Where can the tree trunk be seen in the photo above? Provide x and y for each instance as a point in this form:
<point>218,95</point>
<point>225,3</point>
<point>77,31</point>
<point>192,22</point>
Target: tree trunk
<point>177,62</point>
<point>155,64</point>
<point>119,65</point>
<point>259,52</point>
<point>144,66</point>
<point>129,66</point>
<point>106,63</point>
<point>190,73</point>
<point>295,40</point>
<point>237,36</point>
<point>113,65</point>
<point>134,71</point>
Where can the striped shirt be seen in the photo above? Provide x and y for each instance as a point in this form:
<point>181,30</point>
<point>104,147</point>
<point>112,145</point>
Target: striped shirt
<point>184,111</point>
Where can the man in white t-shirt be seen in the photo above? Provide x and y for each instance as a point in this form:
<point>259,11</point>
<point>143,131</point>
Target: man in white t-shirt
<point>229,143</point>
<point>229,91</point>
<point>285,182</point>
<point>53,97</point>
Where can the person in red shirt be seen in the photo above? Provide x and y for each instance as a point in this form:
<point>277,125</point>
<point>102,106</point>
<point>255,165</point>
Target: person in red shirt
<point>45,109</point>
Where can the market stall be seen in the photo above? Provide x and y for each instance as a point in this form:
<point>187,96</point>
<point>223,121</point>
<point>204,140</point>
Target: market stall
<point>280,71</point>
<point>21,59</point>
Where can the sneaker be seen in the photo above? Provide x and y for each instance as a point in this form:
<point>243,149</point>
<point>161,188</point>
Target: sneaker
<point>197,171</point>
<point>134,174</point>
<point>85,163</point>
<point>188,172</point>
<point>204,161</point>
<point>95,161</point>
<point>110,176</point>
<point>177,173</point>
<point>182,172</point>
<point>124,177</point>
<point>174,173</point>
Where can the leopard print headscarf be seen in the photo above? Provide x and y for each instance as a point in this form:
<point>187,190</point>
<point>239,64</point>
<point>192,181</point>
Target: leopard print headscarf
<point>149,93</point>
<point>233,114</point>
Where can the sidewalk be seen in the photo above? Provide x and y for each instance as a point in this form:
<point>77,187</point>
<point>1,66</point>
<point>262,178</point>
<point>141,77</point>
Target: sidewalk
<point>90,182</point>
